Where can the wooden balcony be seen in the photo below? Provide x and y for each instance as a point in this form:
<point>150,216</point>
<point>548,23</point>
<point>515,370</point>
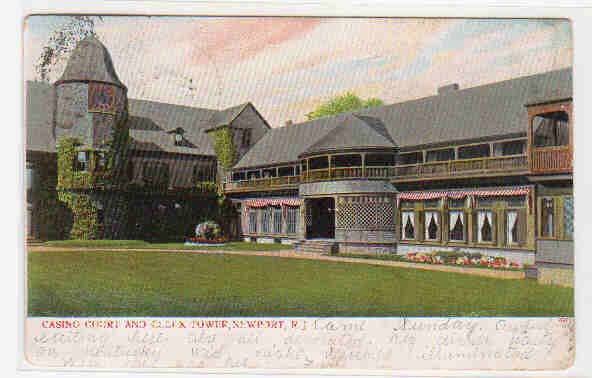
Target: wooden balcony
<point>499,165</point>
<point>268,183</point>
<point>550,159</point>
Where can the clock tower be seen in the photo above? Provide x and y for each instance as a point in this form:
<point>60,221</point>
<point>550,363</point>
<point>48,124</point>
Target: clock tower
<point>91,100</point>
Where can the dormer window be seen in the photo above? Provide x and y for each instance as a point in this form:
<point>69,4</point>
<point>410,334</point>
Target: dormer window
<point>178,136</point>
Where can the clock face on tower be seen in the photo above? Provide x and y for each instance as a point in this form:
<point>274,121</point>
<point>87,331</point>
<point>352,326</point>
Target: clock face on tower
<point>101,98</point>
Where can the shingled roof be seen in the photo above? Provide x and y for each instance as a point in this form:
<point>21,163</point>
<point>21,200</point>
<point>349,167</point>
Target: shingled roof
<point>367,132</point>
<point>90,61</point>
<point>455,115</point>
<point>39,111</point>
<point>149,123</point>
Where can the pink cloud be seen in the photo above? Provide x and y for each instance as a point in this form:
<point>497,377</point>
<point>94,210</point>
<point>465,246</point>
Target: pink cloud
<point>234,39</point>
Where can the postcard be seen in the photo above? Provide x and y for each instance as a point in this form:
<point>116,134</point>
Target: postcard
<point>224,193</point>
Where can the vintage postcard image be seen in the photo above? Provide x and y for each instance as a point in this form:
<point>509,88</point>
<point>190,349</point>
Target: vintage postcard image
<point>298,193</point>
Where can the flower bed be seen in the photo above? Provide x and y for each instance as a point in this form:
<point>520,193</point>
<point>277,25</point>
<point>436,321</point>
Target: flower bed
<point>463,259</point>
<point>206,242</point>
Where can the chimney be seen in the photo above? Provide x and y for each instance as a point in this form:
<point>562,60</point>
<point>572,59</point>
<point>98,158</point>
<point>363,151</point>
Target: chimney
<point>448,88</point>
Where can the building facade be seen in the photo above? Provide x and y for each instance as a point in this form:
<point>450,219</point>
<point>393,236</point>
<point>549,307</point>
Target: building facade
<point>486,169</point>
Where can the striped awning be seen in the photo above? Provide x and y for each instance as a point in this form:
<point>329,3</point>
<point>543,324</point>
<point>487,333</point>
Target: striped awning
<point>457,194</point>
<point>272,202</point>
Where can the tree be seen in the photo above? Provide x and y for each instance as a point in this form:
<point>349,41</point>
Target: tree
<point>62,41</point>
<point>343,103</point>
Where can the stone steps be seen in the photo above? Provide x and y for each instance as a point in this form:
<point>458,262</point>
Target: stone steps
<point>316,246</point>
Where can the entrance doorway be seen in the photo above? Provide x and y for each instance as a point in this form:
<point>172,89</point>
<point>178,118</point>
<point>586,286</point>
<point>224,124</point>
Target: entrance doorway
<point>321,218</point>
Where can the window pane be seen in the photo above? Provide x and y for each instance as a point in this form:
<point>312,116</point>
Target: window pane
<point>432,225</point>
<point>277,220</point>
<point>266,220</point>
<point>408,224</point>
<point>411,158</point>
<point>547,217</point>
<point>440,155</point>
<point>458,203</point>
<point>292,220</point>
<point>472,152</point>
<point>568,216</point>
<point>551,129</point>
<point>253,221</point>
<point>513,227</point>
<point>484,226</point>
<point>457,225</point>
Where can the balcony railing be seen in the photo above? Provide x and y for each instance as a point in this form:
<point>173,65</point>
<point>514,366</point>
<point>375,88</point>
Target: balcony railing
<point>444,169</point>
<point>550,159</point>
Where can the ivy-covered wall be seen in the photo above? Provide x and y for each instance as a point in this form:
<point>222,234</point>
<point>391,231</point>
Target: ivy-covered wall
<point>224,147</point>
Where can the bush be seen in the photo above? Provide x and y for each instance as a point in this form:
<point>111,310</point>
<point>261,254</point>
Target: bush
<point>208,230</point>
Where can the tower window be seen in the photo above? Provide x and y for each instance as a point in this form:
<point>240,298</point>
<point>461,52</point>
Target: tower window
<point>82,163</point>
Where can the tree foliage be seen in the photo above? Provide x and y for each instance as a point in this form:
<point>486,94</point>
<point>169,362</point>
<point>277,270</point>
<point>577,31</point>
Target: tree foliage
<point>62,41</point>
<point>341,104</point>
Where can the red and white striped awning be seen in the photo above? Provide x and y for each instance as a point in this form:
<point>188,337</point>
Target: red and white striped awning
<point>457,194</point>
<point>272,202</point>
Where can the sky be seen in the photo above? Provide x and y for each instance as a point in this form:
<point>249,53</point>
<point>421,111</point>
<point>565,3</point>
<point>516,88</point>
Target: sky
<point>288,66</point>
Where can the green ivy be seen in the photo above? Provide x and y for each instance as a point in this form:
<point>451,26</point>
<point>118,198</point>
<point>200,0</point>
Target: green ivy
<point>84,208</point>
<point>224,147</point>
<point>67,177</point>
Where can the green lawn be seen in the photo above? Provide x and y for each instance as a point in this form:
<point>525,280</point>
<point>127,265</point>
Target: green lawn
<point>112,283</point>
<point>114,244</point>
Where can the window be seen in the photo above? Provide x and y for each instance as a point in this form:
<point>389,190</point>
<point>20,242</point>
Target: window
<point>239,176</point>
<point>514,227</point>
<point>277,220</point>
<point>485,226</point>
<point>246,141</point>
<point>266,220</point>
<point>346,161</point>
<point>380,160</point>
<point>547,217</point>
<point>101,160</point>
<point>286,171</point>
<point>202,173</point>
<point>82,163</point>
<point>253,221</point>
<point>457,225</point>
<point>408,225</point>
<point>292,219</point>
<point>432,225</point>
<point>440,155</point>
<point>516,147</point>
<point>411,158</point>
<point>568,217</point>
<point>253,175</point>
<point>318,163</point>
<point>270,172</point>
<point>460,202</point>
<point>551,129</point>
<point>473,152</point>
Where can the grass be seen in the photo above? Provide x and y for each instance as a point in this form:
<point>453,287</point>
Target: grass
<point>118,283</point>
<point>141,244</point>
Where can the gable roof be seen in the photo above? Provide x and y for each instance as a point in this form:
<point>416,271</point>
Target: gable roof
<point>354,131</point>
<point>479,112</point>
<point>90,61</point>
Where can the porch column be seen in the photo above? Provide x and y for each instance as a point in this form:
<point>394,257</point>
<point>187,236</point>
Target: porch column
<point>329,164</point>
<point>363,164</point>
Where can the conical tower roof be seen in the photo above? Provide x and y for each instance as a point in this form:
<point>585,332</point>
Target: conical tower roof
<point>90,61</point>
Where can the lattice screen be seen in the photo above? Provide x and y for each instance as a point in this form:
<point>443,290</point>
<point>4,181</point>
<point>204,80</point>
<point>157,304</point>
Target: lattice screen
<point>366,213</point>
